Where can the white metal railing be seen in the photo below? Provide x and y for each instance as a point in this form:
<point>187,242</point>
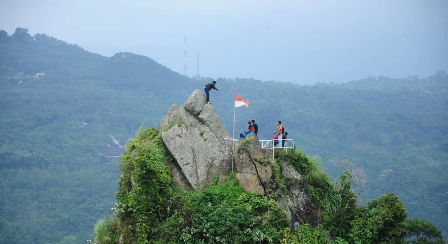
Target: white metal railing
<point>233,139</point>
<point>265,143</point>
<point>289,144</point>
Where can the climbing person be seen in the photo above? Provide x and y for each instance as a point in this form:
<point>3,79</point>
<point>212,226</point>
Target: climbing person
<point>207,89</point>
<point>297,223</point>
<point>255,126</point>
<point>285,136</point>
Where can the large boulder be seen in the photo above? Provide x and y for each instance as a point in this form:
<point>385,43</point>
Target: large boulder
<point>254,172</point>
<point>198,141</point>
<point>289,172</point>
<point>195,102</point>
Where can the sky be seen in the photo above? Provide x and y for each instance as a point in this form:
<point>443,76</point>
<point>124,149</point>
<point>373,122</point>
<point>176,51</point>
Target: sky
<point>299,41</point>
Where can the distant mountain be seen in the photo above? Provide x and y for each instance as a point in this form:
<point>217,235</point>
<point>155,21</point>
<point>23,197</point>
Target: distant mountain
<point>61,106</point>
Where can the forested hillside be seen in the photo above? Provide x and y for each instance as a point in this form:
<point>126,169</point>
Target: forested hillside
<point>66,114</point>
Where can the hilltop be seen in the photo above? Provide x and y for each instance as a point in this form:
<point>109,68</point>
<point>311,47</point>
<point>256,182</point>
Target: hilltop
<point>178,186</point>
<point>58,173</point>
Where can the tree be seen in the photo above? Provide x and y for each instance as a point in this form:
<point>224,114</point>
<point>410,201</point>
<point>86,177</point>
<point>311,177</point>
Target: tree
<point>381,222</point>
<point>422,231</point>
<point>4,36</point>
<point>22,35</point>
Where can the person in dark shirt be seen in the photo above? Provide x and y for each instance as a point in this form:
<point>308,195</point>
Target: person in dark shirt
<point>285,136</point>
<point>207,89</point>
<point>255,126</point>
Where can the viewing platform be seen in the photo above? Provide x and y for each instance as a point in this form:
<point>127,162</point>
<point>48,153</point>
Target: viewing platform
<point>288,144</point>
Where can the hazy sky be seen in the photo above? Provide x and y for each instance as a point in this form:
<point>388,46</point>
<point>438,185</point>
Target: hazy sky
<point>301,41</point>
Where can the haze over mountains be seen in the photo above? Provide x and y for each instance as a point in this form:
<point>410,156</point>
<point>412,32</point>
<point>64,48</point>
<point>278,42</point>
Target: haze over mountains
<point>303,42</point>
<point>56,182</point>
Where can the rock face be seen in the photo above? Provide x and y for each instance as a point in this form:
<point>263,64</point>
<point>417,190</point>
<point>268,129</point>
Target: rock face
<point>199,142</point>
<point>253,176</point>
<point>295,203</point>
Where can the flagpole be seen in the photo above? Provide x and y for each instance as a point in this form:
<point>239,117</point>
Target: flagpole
<point>233,135</point>
<point>239,101</point>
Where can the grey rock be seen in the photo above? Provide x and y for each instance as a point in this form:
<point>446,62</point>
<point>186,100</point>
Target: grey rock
<point>209,117</point>
<point>197,142</point>
<point>282,203</point>
<point>297,199</point>
<point>254,148</point>
<point>252,175</point>
<point>170,119</point>
<point>179,177</point>
<point>294,205</point>
<point>250,183</point>
<point>289,172</point>
<point>195,102</point>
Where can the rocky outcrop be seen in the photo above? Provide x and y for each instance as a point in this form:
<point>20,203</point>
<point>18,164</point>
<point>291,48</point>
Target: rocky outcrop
<point>253,175</point>
<point>202,149</point>
<point>198,141</point>
<point>296,204</point>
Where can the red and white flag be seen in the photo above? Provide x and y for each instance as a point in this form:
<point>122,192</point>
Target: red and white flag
<point>239,101</point>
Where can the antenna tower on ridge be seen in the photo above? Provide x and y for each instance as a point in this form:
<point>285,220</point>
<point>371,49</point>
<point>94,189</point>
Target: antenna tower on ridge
<point>185,56</point>
<point>198,64</point>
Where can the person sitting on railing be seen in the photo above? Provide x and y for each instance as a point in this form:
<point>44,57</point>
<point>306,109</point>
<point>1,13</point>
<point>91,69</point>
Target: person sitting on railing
<point>285,136</point>
<point>275,138</point>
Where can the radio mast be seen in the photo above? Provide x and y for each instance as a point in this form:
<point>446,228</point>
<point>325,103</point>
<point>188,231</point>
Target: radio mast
<point>185,56</point>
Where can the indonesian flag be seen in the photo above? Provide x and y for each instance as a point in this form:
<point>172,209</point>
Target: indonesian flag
<point>239,101</point>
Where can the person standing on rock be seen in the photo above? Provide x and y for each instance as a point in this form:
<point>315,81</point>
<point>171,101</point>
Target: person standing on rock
<point>207,89</point>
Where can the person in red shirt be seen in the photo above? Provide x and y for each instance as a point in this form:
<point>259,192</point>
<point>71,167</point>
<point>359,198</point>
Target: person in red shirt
<point>275,138</point>
<point>250,129</point>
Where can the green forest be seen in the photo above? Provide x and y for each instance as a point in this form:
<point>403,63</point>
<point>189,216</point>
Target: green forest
<point>67,114</point>
<point>151,207</point>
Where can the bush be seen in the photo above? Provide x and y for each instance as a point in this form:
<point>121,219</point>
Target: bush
<point>223,213</point>
<point>106,231</point>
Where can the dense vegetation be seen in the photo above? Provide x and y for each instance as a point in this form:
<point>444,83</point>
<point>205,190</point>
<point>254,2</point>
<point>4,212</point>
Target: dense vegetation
<point>151,209</point>
<point>57,180</point>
